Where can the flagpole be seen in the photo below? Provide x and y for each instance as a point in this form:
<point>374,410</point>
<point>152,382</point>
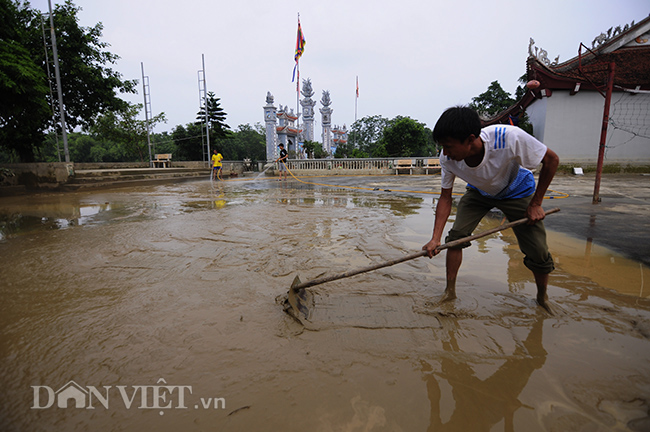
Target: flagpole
<point>356,99</point>
<point>298,99</point>
<point>300,46</point>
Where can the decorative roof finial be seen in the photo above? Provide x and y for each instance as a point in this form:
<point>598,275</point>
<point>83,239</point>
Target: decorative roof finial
<point>541,54</point>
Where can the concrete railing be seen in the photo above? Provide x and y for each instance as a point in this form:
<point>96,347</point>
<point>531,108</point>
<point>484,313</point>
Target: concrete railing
<point>368,166</point>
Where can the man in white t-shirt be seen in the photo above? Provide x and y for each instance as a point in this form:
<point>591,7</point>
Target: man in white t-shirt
<point>495,162</point>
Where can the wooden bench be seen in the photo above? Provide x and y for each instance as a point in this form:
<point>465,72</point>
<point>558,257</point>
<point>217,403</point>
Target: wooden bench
<point>163,160</point>
<point>404,164</point>
<point>433,164</point>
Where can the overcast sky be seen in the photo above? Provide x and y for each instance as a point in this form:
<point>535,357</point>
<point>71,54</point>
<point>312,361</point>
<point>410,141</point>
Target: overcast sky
<point>413,58</point>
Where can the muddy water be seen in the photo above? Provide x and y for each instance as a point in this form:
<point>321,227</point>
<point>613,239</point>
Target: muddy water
<point>158,308</point>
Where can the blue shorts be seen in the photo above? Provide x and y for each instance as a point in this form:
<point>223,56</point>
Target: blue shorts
<point>216,168</point>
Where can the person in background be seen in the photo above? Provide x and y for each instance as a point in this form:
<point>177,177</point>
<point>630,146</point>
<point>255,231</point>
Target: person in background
<point>216,164</point>
<point>282,167</point>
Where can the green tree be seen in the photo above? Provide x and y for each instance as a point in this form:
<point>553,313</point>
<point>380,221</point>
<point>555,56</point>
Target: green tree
<point>246,142</point>
<point>124,128</point>
<point>315,150</point>
<point>345,150</point>
<point>430,148</point>
<point>24,112</point>
<point>163,143</point>
<point>88,85</point>
<point>405,137</point>
<point>366,134</point>
<point>188,142</point>
<point>216,117</point>
<point>521,89</point>
<point>84,148</point>
<point>348,150</point>
<point>495,100</point>
<point>491,102</point>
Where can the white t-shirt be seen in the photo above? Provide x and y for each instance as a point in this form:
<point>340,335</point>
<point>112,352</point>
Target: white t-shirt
<point>504,172</point>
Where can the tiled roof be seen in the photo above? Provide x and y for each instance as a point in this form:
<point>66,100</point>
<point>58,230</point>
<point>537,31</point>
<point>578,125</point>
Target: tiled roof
<point>632,70</point>
<point>590,69</point>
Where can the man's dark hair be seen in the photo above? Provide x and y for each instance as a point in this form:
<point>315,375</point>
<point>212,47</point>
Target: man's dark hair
<point>457,123</point>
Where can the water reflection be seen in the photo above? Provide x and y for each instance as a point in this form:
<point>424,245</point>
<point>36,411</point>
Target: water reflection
<point>37,217</point>
<point>38,213</point>
<point>581,266</point>
<point>461,401</point>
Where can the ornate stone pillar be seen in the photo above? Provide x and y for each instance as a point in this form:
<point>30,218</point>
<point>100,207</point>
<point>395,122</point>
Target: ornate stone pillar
<point>326,113</point>
<point>307,110</point>
<point>270,120</point>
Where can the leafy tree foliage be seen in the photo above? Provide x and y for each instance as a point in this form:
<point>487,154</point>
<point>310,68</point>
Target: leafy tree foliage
<point>491,102</point>
<point>348,150</point>
<point>188,141</point>
<point>23,111</point>
<point>345,150</point>
<point>216,118</point>
<point>375,136</point>
<point>405,137</point>
<point>521,89</point>
<point>126,130</point>
<point>495,99</point>
<point>246,142</point>
<point>315,150</point>
<point>88,85</point>
<point>163,143</point>
<point>366,135</point>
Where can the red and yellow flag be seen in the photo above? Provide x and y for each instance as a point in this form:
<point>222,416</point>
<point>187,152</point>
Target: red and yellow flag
<point>300,43</point>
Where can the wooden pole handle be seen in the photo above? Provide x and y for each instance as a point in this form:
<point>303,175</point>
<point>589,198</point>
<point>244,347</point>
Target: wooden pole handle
<point>414,255</point>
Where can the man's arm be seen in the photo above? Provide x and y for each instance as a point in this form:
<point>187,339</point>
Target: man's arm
<point>443,209</point>
<point>534,212</point>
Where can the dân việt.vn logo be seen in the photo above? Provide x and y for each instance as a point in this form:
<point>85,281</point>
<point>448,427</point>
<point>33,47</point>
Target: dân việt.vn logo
<point>157,397</point>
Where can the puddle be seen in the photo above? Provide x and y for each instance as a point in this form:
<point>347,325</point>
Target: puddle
<point>137,294</point>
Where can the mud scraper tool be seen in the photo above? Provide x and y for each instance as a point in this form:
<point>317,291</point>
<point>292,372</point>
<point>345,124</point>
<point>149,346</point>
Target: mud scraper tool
<point>301,300</point>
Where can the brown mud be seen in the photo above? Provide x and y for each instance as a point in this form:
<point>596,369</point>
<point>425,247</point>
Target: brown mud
<point>120,290</point>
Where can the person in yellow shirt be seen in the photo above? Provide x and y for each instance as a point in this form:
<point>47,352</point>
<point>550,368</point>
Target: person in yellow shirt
<point>216,165</point>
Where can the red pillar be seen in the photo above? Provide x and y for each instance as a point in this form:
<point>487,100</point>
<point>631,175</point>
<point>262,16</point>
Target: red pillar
<point>603,133</point>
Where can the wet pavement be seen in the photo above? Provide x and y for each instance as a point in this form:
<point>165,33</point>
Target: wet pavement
<point>159,308</point>
<point>621,220</point>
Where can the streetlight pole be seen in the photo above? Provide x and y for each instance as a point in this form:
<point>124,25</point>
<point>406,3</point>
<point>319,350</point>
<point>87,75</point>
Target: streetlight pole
<point>58,84</point>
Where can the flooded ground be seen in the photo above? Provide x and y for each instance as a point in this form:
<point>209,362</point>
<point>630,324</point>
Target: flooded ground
<point>158,308</point>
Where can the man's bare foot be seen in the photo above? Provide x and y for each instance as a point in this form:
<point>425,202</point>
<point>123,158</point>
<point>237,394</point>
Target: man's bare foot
<point>544,304</point>
<point>447,296</point>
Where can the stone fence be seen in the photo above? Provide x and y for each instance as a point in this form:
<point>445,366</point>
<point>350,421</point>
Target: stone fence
<point>53,174</point>
<point>369,166</point>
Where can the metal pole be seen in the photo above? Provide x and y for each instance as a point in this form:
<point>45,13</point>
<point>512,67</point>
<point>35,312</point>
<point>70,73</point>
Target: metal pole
<point>603,133</point>
<point>205,85</point>
<point>58,84</point>
<point>146,114</point>
<point>49,83</point>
